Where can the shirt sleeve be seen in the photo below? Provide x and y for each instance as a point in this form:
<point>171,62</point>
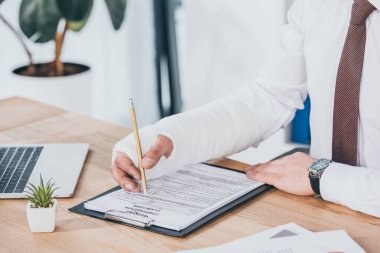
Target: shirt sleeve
<point>253,113</point>
<point>355,187</point>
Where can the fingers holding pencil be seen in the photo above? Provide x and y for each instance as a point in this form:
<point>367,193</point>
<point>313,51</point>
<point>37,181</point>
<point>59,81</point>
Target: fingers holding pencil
<point>125,169</point>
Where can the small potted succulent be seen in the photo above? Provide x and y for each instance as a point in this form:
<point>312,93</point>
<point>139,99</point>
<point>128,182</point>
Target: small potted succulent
<point>42,207</point>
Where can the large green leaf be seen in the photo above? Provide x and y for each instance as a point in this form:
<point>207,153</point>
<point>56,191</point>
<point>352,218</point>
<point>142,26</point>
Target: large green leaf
<point>39,19</point>
<point>116,9</point>
<point>76,26</point>
<point>74,10</point>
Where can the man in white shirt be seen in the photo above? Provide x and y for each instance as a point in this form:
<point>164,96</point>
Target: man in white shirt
<point>331,51</point>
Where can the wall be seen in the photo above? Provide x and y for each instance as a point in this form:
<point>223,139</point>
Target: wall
<point>226,43</point>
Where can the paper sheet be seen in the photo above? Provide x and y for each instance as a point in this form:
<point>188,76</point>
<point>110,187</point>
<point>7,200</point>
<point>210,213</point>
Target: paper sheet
<point>179,198</point>
<point>288,238</point>
<point>290,229</point>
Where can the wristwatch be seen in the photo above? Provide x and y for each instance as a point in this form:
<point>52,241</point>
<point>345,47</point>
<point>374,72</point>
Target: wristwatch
<point>316,170</point>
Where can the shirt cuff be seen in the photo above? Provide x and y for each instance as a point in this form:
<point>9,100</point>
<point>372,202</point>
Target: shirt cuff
<point>338,183</point>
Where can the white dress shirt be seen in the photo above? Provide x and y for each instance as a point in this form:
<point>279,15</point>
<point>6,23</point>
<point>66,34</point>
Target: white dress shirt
<point>306,62</point>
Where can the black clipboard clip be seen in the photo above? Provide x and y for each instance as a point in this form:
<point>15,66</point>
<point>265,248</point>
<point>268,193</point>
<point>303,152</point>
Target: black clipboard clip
<point>128,218</point>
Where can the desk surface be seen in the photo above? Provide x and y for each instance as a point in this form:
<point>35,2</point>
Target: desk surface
<point>25,121</point>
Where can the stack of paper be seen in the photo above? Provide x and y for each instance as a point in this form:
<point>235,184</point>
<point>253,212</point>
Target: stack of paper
<point>289,238</point>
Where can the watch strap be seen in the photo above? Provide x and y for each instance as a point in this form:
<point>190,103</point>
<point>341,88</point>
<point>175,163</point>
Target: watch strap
<point>314,182</point>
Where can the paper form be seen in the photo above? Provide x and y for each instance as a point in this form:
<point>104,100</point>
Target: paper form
<point>181,197</point>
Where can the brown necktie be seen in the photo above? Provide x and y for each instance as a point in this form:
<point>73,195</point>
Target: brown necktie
<point>347,90</point>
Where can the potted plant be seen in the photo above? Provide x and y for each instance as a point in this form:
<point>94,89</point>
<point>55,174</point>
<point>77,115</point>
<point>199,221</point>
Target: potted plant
<point>42,207</point>
<point>55,82</point>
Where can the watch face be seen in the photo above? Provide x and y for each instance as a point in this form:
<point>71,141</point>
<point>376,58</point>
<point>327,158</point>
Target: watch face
<point>317,168</point>
<point>320,164</point>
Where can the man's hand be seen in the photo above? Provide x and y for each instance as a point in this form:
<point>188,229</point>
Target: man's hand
<point>124,171</point>
<point>288,174</point>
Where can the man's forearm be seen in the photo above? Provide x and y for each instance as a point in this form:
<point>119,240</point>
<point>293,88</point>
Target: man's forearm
<point>224,127</point>
<point>355,187</point>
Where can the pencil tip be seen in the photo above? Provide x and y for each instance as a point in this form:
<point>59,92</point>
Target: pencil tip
<point>145,192</point>
<point>131,101</point>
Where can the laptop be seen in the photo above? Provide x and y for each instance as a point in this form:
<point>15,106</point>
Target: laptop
<point>23,164</point>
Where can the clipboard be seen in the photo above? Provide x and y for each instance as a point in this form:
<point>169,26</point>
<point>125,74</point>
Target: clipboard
<point>145,224</point>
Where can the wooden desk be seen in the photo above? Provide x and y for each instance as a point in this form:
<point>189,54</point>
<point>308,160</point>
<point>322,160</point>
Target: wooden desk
<point>25,121</point>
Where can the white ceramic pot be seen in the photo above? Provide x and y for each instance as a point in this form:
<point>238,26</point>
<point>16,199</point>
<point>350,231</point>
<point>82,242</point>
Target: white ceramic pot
<point>71,92</point>
<point>42,219</point>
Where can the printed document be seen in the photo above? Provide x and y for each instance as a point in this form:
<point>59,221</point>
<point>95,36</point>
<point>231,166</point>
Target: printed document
<point>179,198</point>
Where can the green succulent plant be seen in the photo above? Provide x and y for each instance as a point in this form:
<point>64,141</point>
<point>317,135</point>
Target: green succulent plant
<point>41,196</point>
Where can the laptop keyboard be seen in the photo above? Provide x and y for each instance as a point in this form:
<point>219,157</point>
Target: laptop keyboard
<point>16,166</point>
